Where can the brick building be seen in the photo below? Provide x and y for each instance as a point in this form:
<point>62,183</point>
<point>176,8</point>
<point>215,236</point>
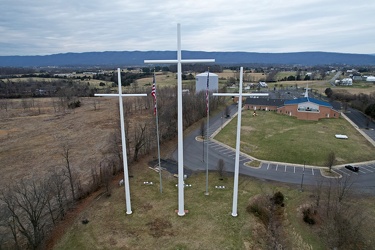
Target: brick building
<point>308,108</point>
<point>305,108</point>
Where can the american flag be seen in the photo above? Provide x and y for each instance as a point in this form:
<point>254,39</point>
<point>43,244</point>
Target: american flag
<point>208,87</point>
<point>153,92</point>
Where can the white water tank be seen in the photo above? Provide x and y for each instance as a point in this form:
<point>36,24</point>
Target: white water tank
<point>201,82</point>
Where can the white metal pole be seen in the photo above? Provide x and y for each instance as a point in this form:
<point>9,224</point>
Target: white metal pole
<point>181,209</point>
<point>157,134</point>
<point>179,61</point>
<point>237,161</point>
<point>208,127</point>
<point>124,155</point>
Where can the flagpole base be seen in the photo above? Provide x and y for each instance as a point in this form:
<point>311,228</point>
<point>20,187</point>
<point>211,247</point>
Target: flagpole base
<point>181,214</point>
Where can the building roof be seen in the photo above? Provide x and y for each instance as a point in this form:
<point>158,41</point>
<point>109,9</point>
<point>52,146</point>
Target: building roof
<point>265,101</point>
<point>308,99</point>
<point>205,74</point>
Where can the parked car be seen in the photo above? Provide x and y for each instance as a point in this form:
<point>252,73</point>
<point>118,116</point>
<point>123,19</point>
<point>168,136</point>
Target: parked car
<point>352,168</point>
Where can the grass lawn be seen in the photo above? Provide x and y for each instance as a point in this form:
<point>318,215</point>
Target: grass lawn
<point>207,225</point>
<point>275,137</point>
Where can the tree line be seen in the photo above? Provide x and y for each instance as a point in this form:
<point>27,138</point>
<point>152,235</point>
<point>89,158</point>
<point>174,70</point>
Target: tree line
<point>362,102</point>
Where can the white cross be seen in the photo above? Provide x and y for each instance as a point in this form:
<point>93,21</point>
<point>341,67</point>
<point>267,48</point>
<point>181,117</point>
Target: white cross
<point>179,61</point>
<point>237,161</point>
<point>123,141</point>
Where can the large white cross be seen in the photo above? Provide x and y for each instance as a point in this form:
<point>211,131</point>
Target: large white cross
<point>123,140</point>
<point>238,138</point>
<point>179,61</point>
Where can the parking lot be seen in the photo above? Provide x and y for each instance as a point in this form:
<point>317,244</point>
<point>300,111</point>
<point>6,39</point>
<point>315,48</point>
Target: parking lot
<point>363,169</point>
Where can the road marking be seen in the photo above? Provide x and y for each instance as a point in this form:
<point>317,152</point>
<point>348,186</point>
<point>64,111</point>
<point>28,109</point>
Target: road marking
<point>268,166</point>
<point>371,167</point>
<point>312,170</point>
<point>294,169</point>
<point>277,165</point>
<point>224,150</point>
<point>285,169</point>
<point>342,171</point>
<point>366,167</point>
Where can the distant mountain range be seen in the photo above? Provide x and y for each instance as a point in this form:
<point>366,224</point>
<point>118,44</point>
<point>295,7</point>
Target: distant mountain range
<point>136,58</point>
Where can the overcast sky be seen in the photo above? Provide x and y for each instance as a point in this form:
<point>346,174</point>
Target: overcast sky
<point>43,27</point>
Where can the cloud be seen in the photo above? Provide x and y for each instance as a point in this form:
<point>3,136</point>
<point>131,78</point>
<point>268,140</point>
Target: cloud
<point>57,26</point>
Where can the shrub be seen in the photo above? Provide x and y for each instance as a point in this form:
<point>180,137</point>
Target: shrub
<point>307,216</point>
<point>259,210</point>
<point>278,198</point>
<point>74,105</point>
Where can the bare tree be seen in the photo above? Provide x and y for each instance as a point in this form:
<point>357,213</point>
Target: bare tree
<point>115,149</point>
<point>57,194</point>
<point>139,140</point>
<point>68,169</point>
<point>331,160</point>
<point>106,175</point>
<point>343,187</point>
<point>8,229</point>
<point>95,178</point>
<point>96,103</point>
<point>318,191</point>
<point>27,204</point>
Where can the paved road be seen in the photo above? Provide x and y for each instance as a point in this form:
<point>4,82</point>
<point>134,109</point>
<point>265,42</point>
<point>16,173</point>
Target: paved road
<point>362,122</point>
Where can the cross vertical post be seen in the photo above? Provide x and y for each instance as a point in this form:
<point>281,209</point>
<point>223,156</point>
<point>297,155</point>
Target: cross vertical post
<point>179,61</point>
<point>238,138</point>
<point>123,139</point>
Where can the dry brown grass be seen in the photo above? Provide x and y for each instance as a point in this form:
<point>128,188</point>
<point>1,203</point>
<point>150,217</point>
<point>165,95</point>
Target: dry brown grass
<point>31,142</point>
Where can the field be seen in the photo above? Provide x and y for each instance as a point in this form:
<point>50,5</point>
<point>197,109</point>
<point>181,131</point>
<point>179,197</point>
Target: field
<point>32,139</point>
<point>275,137</point>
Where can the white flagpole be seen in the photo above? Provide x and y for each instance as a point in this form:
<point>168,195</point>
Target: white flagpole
<point>208,126</point>
<point>157,133</point>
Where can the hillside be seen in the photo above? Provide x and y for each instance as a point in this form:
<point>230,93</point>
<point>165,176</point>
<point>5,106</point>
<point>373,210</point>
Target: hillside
<point>136,58</point>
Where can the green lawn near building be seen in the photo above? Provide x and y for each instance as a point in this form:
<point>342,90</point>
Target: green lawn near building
<point>275,137</point>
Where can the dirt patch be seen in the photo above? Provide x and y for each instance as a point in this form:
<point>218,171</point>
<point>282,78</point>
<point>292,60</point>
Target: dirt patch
<point>247,128</point>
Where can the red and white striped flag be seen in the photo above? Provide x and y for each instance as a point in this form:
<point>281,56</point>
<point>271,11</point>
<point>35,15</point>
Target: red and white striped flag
<point>207,89</point>
<point>153,92</point>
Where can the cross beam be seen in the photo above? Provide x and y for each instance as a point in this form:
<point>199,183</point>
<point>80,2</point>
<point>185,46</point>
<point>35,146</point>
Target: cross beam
<point>238,137</point>
<point>123,140</point>
<point>179,61</point>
